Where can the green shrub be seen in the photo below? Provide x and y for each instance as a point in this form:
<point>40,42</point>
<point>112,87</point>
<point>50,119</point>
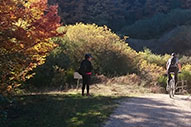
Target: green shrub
<point>185,60</point>
<point>162,81</point>
<point>152,58</point>
<point>185,75</point>
<point>111,55</point>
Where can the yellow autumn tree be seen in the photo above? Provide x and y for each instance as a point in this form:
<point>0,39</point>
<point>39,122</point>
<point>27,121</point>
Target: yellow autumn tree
<point>25,31</point>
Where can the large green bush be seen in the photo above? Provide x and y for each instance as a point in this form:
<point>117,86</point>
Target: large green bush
<point>56,71</point>
<point>111,55</point>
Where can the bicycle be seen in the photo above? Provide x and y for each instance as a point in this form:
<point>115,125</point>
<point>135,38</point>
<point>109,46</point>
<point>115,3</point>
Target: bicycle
<point>172,85</point>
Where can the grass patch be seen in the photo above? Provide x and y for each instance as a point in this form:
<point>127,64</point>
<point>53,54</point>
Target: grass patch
<point>60,110</point>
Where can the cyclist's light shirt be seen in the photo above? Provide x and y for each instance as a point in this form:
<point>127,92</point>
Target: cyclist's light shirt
<point>169,62</point>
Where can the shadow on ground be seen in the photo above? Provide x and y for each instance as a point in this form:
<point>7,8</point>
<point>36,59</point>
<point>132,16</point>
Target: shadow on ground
<point>149,112</point>
<point>60,111</point>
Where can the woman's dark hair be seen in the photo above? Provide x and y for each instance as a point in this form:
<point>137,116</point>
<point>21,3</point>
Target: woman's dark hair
<point>88,56</point>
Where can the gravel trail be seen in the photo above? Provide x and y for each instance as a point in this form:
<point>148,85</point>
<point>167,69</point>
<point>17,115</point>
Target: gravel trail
<point>153,110</point>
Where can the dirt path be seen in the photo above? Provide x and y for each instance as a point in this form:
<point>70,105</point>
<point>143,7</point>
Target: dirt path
<point>154,110</point>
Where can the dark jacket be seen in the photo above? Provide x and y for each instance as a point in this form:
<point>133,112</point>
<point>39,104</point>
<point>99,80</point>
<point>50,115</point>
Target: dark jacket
<point>85,67</point>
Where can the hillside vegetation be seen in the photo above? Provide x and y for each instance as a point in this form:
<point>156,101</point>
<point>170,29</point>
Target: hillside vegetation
<point>176,40</point>
<point>112,57</point>
<point>139,19</point>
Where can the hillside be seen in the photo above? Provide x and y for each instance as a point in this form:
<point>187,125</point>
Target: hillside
<point>177,40</point>
<point>139,19</point>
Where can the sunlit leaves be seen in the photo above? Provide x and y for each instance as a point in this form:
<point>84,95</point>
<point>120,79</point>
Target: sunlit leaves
<point>111,55</point>
<point>149,71</point>
<point>26,27</point>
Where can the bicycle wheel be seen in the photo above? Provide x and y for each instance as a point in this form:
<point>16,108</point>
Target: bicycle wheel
<point>171,88</point>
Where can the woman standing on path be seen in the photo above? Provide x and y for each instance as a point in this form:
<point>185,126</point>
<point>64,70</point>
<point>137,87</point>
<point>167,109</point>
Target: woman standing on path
<point>86,72</point>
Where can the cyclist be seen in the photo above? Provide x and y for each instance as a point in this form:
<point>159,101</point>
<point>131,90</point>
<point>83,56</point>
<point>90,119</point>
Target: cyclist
<point>173,65</point>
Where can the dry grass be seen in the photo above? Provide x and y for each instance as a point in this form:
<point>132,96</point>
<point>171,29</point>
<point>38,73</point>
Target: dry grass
<point>118,89</point>
<point>129,85</point>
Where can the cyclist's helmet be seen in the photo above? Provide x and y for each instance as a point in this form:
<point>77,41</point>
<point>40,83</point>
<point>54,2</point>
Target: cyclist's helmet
<point>88,56</point>
<point>173,54</point>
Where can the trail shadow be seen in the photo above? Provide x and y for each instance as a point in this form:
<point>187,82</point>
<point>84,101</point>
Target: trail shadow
<point>145,112</point>
<point>60,111</point>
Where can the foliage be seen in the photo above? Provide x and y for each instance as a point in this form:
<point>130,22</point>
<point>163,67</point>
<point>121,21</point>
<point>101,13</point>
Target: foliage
<point>25,31</point>
<point>52,76</point>
<point>177,40</point>
<point>186,67</point>
<point>186,74</point>
<point>111,55</point>
<point>57,69</point>
<point>149,71</point>
<point>88,11</point>
<point>159,24</point>
<point>121,14</point>
<point>162,81</point>
<point>115,14</point>
<point>152,58</point>
<point>139,19</point>
<point>152,66</point>
<point>185,60</point>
